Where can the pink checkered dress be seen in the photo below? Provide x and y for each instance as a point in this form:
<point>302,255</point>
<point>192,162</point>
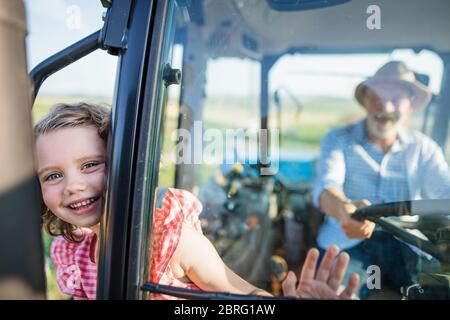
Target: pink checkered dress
<point>76,270</point>
<point>178,207</point>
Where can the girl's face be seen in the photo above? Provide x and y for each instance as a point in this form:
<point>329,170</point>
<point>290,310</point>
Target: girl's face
<point>71,170</point>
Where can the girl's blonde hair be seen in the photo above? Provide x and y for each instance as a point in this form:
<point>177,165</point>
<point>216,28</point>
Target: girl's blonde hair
<point>70,116</point>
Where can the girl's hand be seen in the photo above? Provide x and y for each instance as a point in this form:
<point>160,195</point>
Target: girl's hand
<point>325,283</point>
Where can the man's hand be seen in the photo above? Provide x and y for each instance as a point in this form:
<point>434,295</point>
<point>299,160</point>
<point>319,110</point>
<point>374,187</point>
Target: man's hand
<point>353,228</point>
<point>325,283</point>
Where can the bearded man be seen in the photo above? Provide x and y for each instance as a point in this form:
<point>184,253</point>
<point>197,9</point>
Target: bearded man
<point>378,160</point>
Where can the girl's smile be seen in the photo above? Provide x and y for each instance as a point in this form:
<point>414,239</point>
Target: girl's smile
<point>84,206</point>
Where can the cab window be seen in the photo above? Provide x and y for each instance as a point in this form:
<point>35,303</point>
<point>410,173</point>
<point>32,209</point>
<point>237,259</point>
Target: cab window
<point>244,133</point>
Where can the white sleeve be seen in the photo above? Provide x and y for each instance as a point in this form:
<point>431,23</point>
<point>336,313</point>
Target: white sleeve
<point>330,168</point>
<point>434,173</point>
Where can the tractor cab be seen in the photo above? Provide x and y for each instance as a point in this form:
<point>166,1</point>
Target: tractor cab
<point>231,100</point>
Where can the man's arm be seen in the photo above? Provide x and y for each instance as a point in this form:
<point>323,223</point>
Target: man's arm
<point>335,204</point>
<point>328,194</point>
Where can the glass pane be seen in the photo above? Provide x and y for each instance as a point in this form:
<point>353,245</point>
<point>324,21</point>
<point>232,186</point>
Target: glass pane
<point>351,110</point>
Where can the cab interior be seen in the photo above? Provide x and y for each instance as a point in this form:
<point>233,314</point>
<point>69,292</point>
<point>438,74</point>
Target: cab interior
<point>288,67</point>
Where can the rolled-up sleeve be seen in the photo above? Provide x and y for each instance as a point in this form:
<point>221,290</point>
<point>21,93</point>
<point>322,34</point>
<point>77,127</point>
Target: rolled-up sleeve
<point>330,170</point>
<point>435,174</point>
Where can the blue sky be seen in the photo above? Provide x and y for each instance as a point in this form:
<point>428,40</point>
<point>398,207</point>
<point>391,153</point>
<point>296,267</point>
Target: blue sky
<point>56,24</point>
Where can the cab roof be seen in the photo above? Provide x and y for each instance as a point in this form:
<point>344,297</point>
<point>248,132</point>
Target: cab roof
<point>252,28</point>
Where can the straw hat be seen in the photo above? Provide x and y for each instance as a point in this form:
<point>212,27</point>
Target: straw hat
<point>397,72</point>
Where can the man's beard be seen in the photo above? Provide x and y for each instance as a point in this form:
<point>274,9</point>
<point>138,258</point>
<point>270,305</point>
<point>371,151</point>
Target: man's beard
<point>377,128</point>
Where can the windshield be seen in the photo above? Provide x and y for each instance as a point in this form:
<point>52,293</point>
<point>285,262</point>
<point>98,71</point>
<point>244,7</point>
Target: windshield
<point>286,122</point>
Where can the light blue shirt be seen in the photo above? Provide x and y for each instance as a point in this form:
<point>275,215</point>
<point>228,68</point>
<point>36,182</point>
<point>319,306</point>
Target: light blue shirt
<point>414,168</point>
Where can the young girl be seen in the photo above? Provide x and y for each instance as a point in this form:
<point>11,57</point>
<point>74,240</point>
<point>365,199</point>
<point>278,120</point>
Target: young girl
<point>71,157</point>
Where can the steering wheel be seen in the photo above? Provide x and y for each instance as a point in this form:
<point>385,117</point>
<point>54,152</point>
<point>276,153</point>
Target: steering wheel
<point>429,208</point>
